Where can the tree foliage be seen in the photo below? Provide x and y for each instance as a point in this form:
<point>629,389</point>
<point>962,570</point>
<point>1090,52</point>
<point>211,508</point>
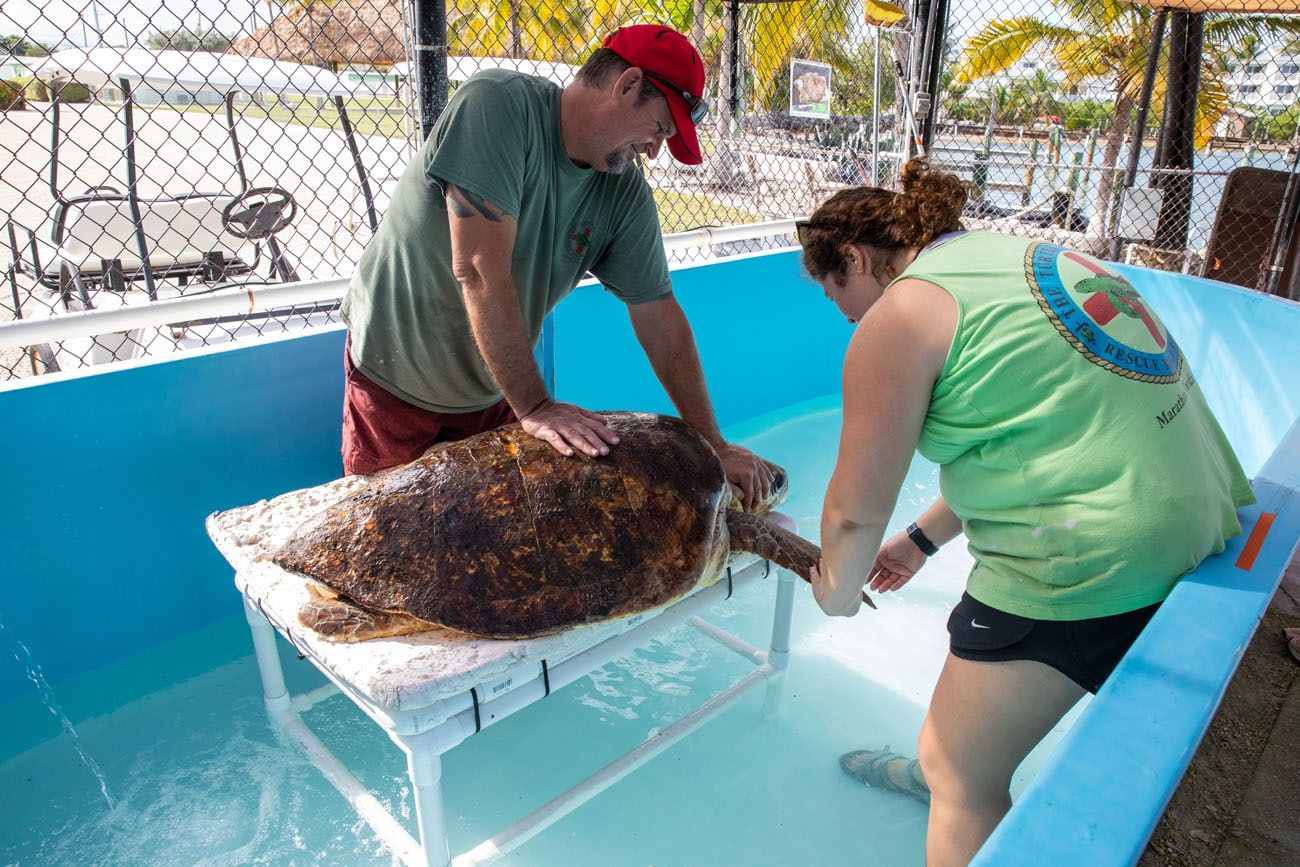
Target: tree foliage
<point>21,46</point>
<point>1111,40</point>
<point>186,38</point>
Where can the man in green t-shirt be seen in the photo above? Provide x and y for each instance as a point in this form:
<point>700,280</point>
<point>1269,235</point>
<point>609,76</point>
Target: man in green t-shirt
<point>520,190</point>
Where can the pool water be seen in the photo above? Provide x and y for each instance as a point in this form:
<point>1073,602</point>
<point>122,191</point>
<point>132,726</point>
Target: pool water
<point>199,777</point>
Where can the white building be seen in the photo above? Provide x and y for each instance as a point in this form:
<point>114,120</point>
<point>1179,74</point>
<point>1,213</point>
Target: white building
<point>13,66</point>
<point>1269,85</point>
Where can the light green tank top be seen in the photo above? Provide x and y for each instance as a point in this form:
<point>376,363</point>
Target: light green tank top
<point>1073,440</point>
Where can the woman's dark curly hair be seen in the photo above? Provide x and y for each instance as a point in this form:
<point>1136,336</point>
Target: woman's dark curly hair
<point>930,204</point>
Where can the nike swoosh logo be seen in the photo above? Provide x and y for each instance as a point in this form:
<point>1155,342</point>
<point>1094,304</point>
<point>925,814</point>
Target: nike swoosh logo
<point>978,626</point>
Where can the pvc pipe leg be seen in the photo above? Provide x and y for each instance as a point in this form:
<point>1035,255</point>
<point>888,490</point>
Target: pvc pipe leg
<point>779,653</point>
<point>425,769</point>
<point>268,658</point>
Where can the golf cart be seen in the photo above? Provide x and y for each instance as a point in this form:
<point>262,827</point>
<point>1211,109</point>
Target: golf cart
<point>111,245</point>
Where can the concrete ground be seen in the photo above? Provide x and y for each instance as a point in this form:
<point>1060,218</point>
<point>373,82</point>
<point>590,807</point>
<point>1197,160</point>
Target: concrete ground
<point>1239,803</point>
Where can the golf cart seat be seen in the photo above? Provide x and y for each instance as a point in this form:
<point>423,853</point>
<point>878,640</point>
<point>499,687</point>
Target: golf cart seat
<point>97,244</point>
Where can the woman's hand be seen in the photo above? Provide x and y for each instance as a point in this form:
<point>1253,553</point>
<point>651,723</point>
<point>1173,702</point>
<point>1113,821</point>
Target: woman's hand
<point>896,562</point>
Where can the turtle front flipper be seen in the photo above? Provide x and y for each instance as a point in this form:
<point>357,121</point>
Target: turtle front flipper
<point>341,620</point>
<point>769,540</point>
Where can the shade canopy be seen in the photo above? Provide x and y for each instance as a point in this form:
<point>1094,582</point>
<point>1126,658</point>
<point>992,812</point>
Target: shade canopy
<point>336,33</point>
<point>1283,7</point>
<point>191,71</point>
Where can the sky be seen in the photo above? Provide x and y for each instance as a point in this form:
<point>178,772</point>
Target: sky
<point>124,21</point>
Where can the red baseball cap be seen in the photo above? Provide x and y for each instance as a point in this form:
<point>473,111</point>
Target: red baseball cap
<point>673,66</point>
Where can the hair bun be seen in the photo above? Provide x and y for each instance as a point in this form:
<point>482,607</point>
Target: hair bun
<point>930,204</point>
<point>913,172</point>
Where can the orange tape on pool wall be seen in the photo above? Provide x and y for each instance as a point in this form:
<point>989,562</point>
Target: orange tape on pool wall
<point>1255,542</point>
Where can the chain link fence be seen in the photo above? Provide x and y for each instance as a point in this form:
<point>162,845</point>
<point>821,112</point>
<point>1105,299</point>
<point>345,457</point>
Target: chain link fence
<point>153,151</point>
<point>1167,139</point>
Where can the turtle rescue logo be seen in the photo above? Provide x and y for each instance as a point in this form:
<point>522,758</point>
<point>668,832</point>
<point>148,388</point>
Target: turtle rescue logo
<point>1101,315</point>
<point>580,240</point>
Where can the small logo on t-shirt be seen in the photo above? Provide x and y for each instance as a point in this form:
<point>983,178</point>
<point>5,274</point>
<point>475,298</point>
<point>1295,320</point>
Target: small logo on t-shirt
<point>1101,315</point>
<point>580,240</point>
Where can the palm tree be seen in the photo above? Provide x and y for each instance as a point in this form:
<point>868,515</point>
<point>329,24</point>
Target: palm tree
<point>777,30</point>
<point>1244,52</point>
<point>1111,39</point>
<point>555,32</point>
<point>567,32</point>
<point>853,62</point>
<point>1025,100</point>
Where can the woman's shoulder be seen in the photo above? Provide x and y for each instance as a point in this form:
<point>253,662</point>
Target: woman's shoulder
<point>917,317</point>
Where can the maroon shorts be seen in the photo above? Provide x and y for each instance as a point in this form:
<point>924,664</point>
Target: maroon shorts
<point>380,430</point>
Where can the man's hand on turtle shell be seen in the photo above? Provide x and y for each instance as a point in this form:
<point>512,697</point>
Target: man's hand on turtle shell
<point>750,476</point>
<point>567,427</point>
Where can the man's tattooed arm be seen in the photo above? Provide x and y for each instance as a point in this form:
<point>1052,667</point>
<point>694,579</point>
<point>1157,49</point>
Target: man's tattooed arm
<point>465,205</point>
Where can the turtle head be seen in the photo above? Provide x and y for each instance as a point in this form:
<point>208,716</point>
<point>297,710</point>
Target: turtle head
<point>780,490</point>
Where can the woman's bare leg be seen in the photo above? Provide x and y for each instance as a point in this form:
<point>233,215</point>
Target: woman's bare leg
<point>984,719</point>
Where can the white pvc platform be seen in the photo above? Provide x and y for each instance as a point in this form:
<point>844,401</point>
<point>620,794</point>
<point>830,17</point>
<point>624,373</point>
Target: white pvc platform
<point>433,690</point>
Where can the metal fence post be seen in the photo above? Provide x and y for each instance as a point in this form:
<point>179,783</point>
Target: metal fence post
<point>1179,134</point>
<point>430,61</point>
<point>1031,168</point>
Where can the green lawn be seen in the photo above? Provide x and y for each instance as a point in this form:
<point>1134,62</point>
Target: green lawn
<point>681,212</point>
<point>372,116</point>
<point>678,211</point>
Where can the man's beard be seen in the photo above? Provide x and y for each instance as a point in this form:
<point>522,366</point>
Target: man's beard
<point>617,161</point>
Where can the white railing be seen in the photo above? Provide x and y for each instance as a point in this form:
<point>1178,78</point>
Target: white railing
<point>249,299</point>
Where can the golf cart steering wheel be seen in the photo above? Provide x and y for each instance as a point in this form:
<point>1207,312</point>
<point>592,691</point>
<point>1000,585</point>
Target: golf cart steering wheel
<point>259,213</point>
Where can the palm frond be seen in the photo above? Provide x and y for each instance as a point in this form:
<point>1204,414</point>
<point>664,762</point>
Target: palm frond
<point>1088,57</point>
<point>1097,15</point>
<point>1212,101</point>
<point>1234,29</point>
<point>1004,41</point>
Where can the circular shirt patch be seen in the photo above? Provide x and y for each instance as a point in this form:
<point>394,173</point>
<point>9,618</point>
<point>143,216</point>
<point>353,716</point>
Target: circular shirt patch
<point>1101,315</point>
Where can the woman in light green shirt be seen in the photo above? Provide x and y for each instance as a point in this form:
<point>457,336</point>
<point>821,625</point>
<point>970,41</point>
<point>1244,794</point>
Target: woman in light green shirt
<point>1077,455</point>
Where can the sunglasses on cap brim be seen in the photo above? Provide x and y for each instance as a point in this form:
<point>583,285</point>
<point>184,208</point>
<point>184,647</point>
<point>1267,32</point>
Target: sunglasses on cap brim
<point>698,106</point>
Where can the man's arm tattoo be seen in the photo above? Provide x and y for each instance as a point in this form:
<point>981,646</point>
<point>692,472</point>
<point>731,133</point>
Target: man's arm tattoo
<point>465,204</point>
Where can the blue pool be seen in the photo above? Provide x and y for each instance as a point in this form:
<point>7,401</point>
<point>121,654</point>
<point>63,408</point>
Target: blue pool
<point>197,772</point>
<point>128,676</point>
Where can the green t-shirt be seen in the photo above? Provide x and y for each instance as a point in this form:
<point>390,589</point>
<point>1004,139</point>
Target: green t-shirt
<point>1072,438</point>
<point>498,138</point>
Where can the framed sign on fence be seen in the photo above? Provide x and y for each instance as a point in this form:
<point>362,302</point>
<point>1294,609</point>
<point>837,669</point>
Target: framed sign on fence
<point>810,89</point>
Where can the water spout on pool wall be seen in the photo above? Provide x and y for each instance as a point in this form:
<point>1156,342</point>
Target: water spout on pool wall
<point>37,677</point>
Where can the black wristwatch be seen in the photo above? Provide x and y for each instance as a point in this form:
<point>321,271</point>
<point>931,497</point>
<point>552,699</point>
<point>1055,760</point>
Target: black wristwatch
<point>922,541</point>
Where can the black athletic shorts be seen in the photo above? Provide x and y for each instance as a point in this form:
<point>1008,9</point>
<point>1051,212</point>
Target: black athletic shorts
<point>1086,651</point>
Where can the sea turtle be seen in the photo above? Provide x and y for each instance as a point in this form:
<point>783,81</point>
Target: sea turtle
<point>498,535</point>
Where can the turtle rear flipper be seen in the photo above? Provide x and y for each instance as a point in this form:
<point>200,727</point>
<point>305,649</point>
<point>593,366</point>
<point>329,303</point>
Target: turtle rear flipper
<point>341,620</point>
